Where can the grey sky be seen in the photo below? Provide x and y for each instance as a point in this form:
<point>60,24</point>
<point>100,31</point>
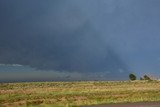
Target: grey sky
<point>81,35</point>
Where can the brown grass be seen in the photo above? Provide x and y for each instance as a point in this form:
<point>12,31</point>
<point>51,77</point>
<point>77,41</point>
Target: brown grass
<point>77,93</point>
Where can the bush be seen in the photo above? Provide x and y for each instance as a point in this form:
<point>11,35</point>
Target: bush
<point>146,77</point>
<point>132,77</point>
<point>141,78</point>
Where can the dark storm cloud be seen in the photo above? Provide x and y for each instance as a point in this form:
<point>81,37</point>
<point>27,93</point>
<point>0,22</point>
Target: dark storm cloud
<point>53,35</point>
<point>81,36</point>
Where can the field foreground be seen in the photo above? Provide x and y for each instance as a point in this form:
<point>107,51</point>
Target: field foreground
<point>139,104</point>
<point>66,94</point>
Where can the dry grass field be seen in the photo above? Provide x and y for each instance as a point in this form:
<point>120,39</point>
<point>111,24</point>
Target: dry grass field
<point>69,94</point>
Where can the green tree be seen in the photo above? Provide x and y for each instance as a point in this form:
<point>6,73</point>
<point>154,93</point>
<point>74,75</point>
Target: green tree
<point>132,77</point>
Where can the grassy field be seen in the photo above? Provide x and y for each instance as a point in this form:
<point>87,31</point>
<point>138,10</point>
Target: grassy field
<point>66,94</point>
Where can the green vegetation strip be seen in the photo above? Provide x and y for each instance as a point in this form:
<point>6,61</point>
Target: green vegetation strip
<point>68,94</point>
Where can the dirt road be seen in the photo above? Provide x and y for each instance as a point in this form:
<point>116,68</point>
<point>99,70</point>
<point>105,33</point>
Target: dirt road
<point>142,104</point>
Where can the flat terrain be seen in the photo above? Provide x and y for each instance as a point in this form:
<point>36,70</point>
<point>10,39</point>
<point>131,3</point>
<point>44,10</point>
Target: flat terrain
<point>142,104</point>
<point>68,94</point>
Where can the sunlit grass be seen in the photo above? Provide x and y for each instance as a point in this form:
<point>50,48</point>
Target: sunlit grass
<point>66,94</point>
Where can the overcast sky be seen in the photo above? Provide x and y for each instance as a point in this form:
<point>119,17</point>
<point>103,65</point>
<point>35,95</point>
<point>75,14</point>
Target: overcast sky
<point>82,36</point>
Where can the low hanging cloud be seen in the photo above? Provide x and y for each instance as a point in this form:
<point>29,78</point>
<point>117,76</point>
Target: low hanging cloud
<point>55,36</point>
